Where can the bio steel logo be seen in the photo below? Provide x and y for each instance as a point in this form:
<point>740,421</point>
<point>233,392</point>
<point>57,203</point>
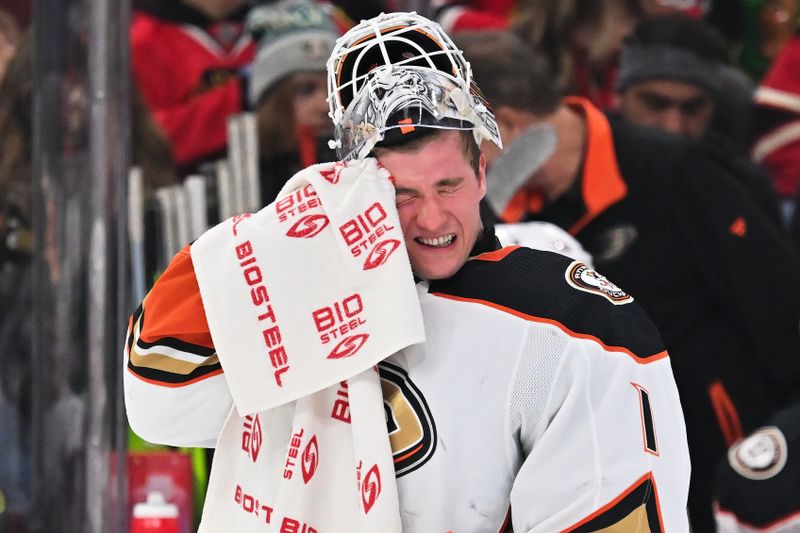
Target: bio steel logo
<point>251,504</point>
<point>349,346</point>
<point>254,278</point>
<point>363,235</point>
<point>380,254</point>
<point>370,487</point>
<point>334,321</point>
<point>294,450</point>
<point>309,226</point>
<point>252,437</point>
<point>297,203</point>
<point>310,459</point>
<point>339,319</point>
<point>341,405</point>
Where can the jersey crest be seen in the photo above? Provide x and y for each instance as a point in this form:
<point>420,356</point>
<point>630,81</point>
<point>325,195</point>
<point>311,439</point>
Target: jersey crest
<point>583,278</point>
<point>412,431</point>
<point>762,455</point>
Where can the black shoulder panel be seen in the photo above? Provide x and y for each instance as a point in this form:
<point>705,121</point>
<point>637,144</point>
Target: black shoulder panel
<point>552,287</point>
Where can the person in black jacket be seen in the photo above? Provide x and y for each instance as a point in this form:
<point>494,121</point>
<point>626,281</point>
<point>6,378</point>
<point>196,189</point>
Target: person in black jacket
<point>675,76</point>
<point>665,220</point>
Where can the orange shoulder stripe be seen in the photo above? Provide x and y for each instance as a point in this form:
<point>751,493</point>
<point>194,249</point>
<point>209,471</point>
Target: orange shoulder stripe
<point>639,359</point>
<point>497,255</point>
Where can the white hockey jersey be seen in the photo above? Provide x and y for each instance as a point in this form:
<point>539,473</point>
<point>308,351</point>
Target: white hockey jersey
<point>542,399</point>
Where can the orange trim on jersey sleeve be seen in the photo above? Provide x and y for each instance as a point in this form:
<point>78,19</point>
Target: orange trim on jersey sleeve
<point>727,416</point>
<point>644,360</point>
<point>175,385</point>
<point>610,505</point>
<point>173,308</point>
<point>409,454</point>
<point>497,255</point>
<point>602,182</point>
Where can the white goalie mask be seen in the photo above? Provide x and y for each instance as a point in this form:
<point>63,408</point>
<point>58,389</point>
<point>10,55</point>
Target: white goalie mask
<point>395,73</point>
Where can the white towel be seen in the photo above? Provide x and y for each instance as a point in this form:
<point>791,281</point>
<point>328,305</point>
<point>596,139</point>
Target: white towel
<point>303,298</point>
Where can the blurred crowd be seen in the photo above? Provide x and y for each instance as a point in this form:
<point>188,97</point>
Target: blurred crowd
<point>676,167</point>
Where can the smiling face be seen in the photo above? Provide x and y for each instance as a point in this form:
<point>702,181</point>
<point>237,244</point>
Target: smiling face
<point>438,197</point>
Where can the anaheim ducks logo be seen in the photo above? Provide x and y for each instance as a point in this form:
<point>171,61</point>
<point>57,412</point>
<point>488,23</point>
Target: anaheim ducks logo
<point>380,253</point>
<point>308,226</point>
<point>412,431</point>
<point>310,458</point>
<point>585,279</point>
<point>348,346</point>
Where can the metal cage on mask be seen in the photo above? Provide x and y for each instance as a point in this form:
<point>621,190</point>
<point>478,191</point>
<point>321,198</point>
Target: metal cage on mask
<point>398,72</point>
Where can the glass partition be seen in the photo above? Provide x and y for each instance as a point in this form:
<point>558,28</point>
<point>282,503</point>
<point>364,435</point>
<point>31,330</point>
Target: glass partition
<point>63,274</point>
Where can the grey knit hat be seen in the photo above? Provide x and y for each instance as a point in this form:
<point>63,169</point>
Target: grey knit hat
<point>653,62</point>
<point>293,36</point>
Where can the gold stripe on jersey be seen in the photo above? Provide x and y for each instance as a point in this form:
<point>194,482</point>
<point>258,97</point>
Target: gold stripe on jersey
<point>636,522</point>
<point>158,367</point>
<point>165,363</point>
<point>635,510</point>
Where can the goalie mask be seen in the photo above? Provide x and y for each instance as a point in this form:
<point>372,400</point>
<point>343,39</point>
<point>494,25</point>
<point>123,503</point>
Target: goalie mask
<point>395,73</point>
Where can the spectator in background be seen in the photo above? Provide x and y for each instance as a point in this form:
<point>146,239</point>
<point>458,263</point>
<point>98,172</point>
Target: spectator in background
<point>16,107</point>
<point>691,8</point>
<point>668,223</point>
<point>581,40</point>
<point>9,36</point>
<point>288,89</point>
<point>767,25</point>
<point>188,57</point>
<point>16,289</point>
<point>150,147</point>
<point>472,15</point>
<point>674,76</point>
<point>776,129</point>
<point>349,12</point>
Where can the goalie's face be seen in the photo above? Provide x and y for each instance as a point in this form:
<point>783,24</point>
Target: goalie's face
<point>438,197</point>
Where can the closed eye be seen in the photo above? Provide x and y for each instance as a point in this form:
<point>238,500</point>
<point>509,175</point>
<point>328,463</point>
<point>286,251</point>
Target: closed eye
<point>449,186</point>
<point>404,196</point>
